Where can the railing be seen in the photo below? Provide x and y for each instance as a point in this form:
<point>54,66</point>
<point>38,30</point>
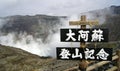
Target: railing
<point>116,57</point>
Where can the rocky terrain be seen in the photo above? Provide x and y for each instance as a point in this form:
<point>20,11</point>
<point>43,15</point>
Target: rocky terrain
<point>14,59</point>
<point>41,26</point>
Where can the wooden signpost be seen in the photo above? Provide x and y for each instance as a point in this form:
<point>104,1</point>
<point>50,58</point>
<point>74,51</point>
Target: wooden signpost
<point>84,35</point>
<point>83,64</point>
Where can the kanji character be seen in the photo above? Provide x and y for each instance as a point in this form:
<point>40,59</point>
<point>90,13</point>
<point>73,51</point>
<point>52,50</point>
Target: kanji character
<point>76,54</point>
<point>70,35</point>
<point>65,53</point>
<point>97,35</point>
<point>89,54</point>
<point>83,35</point>
<point>102,54</point>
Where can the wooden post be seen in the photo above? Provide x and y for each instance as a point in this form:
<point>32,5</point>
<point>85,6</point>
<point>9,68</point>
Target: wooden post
<point>118,60</point>
<point>84,63</point>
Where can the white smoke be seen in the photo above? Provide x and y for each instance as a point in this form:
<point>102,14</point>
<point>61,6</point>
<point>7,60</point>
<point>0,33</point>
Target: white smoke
<point>27,43</point>
<point>1,23</point>
<point>36,45</point>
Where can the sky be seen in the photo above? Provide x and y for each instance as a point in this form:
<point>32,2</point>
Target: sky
<point>52,7</point>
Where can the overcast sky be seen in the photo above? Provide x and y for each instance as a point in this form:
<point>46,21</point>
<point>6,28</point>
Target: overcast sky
<point>52,7</point>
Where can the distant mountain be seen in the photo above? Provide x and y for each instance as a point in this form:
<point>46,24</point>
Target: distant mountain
<point>39,26</point>
<point>110,10</point>
<point>115,9</point>
<point>112,22</point>
<point>108,18</point>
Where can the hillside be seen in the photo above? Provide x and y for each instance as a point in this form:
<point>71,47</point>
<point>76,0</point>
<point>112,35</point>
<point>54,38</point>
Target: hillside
<point>112,22</point>
<point>108,18</point>
<point>35,32</point>
<point>14,59</point>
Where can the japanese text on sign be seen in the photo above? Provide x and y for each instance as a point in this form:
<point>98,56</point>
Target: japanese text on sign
<point>84,35</point>
<point>86,53</point>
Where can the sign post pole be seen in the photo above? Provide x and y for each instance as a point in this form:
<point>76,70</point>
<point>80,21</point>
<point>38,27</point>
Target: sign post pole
<point>84,63</point>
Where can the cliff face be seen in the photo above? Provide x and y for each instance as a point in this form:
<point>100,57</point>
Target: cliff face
<point>40,26</point>
<point>108,18</point>
<point>37,26</point>
<point>115,9</point>
<point>112,22</point>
